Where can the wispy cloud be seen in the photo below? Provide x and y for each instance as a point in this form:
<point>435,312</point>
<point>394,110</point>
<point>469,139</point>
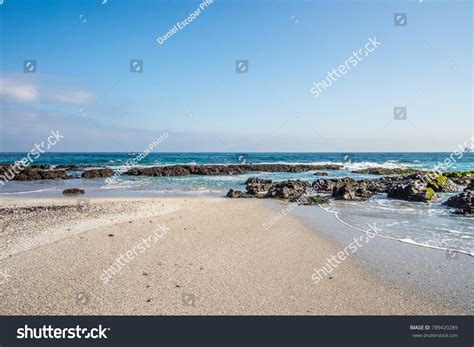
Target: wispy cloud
<point>79,97</point>
<point>17,90</point>
<point>14,89</point>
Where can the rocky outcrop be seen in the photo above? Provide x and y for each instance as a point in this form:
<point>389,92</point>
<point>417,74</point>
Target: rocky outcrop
<point>343,192</point>
<point>349,189</point>
<point>462,178</point>
<point>385,171</point>
<point>411,191</point>
<point>461,200</point>
<point>30,173</point>
<point>40,166</point>
<point>327,185</point>
<point>73,191</point>
<point>257,186</point>
<point>235,194</point>
<point>470,186</point>
<point>351,192</point>
<point>233,169</point>
<point>288,190</point>
<point>437,182</point>
<point>464,203</point>
<point>98,173</point>
<point>320,173</point>
<point>323,185</point>
<point>68,167</point>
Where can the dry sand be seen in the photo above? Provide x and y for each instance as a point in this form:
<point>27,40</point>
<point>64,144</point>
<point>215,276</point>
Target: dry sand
<point>216,258</point>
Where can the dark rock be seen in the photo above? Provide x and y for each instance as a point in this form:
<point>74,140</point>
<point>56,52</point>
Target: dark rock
<point>466,211</point>
<point>465,199</point>
<point>53,174</point>
<point>385,171</point>
<point>323,185</point>
<point>351,192</point>
<point>320,173</point>
<point>73,191</point>
<point>296,191</point>
<point>470,186</point>
<point>327,185</point>
<point>30,174</point>
<point>255,185</point>
<point>98,173</point>
<point>40,166</point>
<point>380,185</point>
<point>343,192</point>
<point>462,178</point>
<point>349,189</point>
<point>68,167</point>
<point>288,189</point>
<point>464,203</point>
<point>233,169</point>
<point>435,181</point>
<point>411,191</point>
<point>235,194</point>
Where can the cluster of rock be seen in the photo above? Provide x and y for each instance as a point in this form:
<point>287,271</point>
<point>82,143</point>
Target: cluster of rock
<point>385,171</point>
<point>464,202</point>
<point>292,190</point>
<point>44,172</point>
<point>232,169</point>
<point>31,173</point>
<point>417,187</point>
<point>460,178</point>
<point>69,167</point>
<point>98,173</point>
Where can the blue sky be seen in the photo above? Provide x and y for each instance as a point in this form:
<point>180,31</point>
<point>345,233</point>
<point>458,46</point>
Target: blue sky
<point>83,86</point>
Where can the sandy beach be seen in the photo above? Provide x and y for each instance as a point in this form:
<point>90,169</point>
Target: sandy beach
<point>215,258</point>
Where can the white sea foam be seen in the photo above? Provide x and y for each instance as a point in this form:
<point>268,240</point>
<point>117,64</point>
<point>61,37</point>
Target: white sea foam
<point>29,191</point>
<point>390,164</point>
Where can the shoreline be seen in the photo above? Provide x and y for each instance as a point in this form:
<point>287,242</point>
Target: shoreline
<point>437,272</point>
<point>217,251</point>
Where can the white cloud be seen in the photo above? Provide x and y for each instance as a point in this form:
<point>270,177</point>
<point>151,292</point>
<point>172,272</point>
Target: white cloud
<point>78,97</point>
<point>17,90</point>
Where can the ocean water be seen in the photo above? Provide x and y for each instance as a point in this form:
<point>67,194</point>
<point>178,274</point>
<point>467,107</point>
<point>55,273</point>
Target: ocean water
<point>429,225</point>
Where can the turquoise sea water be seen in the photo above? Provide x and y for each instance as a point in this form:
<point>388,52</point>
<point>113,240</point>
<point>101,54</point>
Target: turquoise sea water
<point>430,225</point>
<point>218,184</point>
<point>421,160</point>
